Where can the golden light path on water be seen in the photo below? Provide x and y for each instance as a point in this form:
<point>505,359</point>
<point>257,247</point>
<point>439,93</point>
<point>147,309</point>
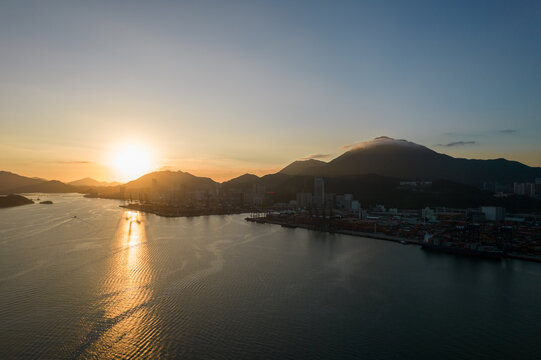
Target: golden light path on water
<point>126,292</point>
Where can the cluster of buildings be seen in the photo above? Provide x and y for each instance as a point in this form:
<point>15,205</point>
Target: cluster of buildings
<point>319,199</point>
<point>487,227</point>
<point>528,188</point>
<point>532,189</point>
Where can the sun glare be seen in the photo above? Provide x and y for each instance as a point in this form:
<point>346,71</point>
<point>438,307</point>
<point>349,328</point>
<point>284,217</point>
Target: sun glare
<point>132,161</point>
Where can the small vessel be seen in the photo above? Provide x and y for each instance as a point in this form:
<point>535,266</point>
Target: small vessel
<point>403,242</point>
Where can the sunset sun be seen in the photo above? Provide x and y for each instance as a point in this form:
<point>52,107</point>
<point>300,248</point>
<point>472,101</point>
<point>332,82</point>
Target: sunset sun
<point>131,161</point>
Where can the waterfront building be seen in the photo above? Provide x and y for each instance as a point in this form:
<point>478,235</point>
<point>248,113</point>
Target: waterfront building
<point>341,202</point>
<point>493,213</point>
<point>475,215</point>
<point>427,214</point>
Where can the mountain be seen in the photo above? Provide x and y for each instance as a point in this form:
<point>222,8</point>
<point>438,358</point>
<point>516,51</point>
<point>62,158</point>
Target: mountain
<point>171,180</point>
<point>13,183</point>
<point>405,160</point>
<point>10,182</point>
<point>243,180</point>
<point>51,186</point>
<point>301,166</point>
<point>92,182</point>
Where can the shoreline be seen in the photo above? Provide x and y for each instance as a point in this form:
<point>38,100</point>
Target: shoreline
<point>174,212</point>
<point>379,236</point>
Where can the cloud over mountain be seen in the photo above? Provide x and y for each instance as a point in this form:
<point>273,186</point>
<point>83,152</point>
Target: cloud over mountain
<point>458,143</point>
<point>316,156</point>
<point>380,140</point>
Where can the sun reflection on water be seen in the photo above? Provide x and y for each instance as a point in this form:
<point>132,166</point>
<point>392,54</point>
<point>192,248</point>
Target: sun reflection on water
<point>126,293</point>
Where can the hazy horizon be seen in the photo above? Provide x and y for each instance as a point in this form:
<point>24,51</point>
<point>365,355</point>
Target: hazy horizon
<point>205,172</point>
<point>220,90</point>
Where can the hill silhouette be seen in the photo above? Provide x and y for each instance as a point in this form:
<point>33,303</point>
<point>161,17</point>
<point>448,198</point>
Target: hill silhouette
<point>10,182</point>
<point>405,160</point>
<point>87,181</point>
<point>13,183</point>
<point>300,166</point>
<point>170,180</point>
<point>51,186</point>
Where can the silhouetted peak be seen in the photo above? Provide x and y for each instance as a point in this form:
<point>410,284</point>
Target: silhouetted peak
<point>243,179</point>
<point>299,166</point>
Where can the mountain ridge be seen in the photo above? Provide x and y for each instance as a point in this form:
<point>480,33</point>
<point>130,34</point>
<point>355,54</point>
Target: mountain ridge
<point>383,156</point>
<point>405,160</point>
<point>88,181</point>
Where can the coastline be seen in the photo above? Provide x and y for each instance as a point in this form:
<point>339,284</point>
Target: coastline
<point>166,211</point>
<point>379,236</point>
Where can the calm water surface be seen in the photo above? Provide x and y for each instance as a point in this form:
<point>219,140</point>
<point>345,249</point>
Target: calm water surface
<point>83,278</point>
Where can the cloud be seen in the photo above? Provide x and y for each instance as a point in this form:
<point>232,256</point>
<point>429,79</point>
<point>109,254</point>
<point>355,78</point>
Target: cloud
<point>507,131</point>
<point>350,146</point>
<point>464,134</point>
<point>458,143</point>
<point>165,168</point>
<point>73,162</point>
<point>316,156</point>
<point>380,140</point>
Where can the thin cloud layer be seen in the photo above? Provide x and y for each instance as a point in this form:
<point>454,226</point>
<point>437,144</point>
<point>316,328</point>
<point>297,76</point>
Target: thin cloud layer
<point>74,162</point>
<point>381,140</point>
<point>316,156</point>
<point>457,143</point>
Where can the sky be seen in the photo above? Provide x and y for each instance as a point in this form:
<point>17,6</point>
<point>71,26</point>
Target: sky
<point>228,87</point>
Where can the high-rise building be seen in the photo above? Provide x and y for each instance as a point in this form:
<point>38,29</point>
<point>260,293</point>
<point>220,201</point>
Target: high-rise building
<point>319,193</point>
<point>304,200</point>
<point>528,189</point>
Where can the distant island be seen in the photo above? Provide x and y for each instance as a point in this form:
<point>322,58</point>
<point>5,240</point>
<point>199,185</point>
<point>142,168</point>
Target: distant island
<point>14,200</point>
